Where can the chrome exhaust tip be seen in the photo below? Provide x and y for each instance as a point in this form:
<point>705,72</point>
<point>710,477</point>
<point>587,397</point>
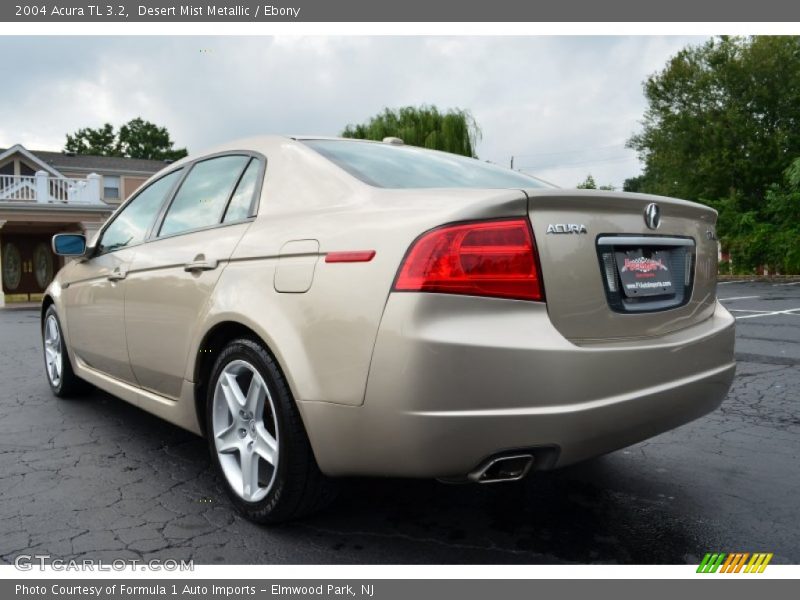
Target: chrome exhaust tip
<point>511,467</point>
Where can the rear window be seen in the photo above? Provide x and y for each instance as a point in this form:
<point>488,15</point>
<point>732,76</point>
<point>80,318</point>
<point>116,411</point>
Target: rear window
<point>388,166</point>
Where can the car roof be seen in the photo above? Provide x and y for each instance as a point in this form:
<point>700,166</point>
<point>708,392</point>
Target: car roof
<point>267,142</point>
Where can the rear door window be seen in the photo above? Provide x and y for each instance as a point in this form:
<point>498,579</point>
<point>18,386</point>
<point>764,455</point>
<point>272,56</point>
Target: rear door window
<point>242,200</point>
<point>201,200</point>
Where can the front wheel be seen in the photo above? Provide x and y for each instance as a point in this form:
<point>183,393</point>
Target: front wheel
<point>62,379</point>
<point>257,439</point>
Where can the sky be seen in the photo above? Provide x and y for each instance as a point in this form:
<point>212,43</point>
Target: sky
<point>562,106</point>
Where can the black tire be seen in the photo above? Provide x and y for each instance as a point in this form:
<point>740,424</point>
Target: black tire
<point>297,487</point>
<point>68,385</point>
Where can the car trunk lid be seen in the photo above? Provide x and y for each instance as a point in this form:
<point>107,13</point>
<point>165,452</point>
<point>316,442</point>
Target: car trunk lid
<point>608,275</point>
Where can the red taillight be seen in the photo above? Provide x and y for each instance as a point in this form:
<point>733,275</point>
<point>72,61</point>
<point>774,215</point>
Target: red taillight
<point>489,258</point>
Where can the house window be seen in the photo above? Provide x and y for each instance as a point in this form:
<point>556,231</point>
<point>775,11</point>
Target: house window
<point>110,187</point>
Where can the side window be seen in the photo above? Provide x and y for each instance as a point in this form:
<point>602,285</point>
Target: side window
<point>203,195</point>
<point>242,199</point>
<point>131,225</point>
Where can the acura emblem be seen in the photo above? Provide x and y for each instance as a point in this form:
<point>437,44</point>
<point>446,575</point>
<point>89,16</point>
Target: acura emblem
<point>652,215</point>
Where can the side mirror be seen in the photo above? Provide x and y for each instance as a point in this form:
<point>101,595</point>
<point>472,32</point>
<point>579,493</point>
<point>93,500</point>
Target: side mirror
<point>69,244</point>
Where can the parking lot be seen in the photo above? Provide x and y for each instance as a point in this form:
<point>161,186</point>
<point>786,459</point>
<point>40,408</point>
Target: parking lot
<point>98,478</point>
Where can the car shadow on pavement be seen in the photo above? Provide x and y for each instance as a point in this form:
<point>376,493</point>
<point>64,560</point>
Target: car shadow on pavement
<point>584,513</point>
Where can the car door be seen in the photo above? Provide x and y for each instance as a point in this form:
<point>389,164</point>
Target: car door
<point>173,275</point>
<point>95,293</point>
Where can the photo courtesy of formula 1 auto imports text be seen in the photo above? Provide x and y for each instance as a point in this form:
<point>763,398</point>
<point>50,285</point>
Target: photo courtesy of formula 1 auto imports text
<point>340,299</point>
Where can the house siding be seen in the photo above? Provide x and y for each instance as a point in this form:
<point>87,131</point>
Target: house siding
<point>130,185</point>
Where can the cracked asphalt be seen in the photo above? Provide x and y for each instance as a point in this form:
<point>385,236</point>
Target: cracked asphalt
<point>98,478</point>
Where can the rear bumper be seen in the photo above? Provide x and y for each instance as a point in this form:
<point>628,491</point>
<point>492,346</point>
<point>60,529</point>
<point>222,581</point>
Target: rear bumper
<point>455,380</point>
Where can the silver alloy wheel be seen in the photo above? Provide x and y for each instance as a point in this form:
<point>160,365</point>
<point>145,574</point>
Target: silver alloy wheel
<point>53,358</point>
<point>245,430</point>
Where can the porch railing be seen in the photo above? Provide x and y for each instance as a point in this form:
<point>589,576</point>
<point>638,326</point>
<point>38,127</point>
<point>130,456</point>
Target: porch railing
<point>46,189</point>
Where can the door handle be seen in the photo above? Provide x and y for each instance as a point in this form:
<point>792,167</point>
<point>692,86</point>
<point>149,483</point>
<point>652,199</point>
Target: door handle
<point>200,264</point>
<point>117,275</point>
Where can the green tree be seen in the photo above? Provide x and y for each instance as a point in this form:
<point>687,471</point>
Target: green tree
<point>768,236</point>
<point>723,120</point>
<point>634,184</point>
<point>454,130</point>
<point>135,139</point>
<point>587,184</point>
<point>142,139</point>
<point>99,142</point>
<point>590,184</point>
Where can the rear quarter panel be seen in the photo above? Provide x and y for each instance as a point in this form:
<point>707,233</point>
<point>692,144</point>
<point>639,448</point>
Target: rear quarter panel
<point>323,338</point>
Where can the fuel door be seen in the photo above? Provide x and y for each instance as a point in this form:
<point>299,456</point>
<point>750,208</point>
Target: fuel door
<point>297,260</point>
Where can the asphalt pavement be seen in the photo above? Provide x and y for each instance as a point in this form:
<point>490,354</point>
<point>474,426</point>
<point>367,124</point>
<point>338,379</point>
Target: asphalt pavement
<point>98,478</point>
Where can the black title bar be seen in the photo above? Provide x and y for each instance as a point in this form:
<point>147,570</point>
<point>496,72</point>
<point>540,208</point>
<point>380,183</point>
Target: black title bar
<point>155,11</point>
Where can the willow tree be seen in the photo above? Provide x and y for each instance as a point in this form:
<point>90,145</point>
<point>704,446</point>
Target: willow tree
<point>454,130</point>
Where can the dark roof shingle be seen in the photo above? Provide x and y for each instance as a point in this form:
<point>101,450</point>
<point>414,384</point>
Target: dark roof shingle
<point>101,164</point>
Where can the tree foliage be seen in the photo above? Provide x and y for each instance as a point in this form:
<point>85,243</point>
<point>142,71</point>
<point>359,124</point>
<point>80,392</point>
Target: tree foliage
<point>769,235</point>
<point>135,139</point>
<point>454,130</point>
<point>590,184</point>
<point>722,127</point>
<point>99,142</point>
<point>634,184</point>
<point>723,119</point>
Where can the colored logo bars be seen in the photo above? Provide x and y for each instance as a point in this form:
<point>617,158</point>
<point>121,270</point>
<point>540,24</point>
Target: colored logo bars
<point>735,562</point>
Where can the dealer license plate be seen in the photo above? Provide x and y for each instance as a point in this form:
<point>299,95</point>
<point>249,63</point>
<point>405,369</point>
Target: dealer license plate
<point>645,272</point>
